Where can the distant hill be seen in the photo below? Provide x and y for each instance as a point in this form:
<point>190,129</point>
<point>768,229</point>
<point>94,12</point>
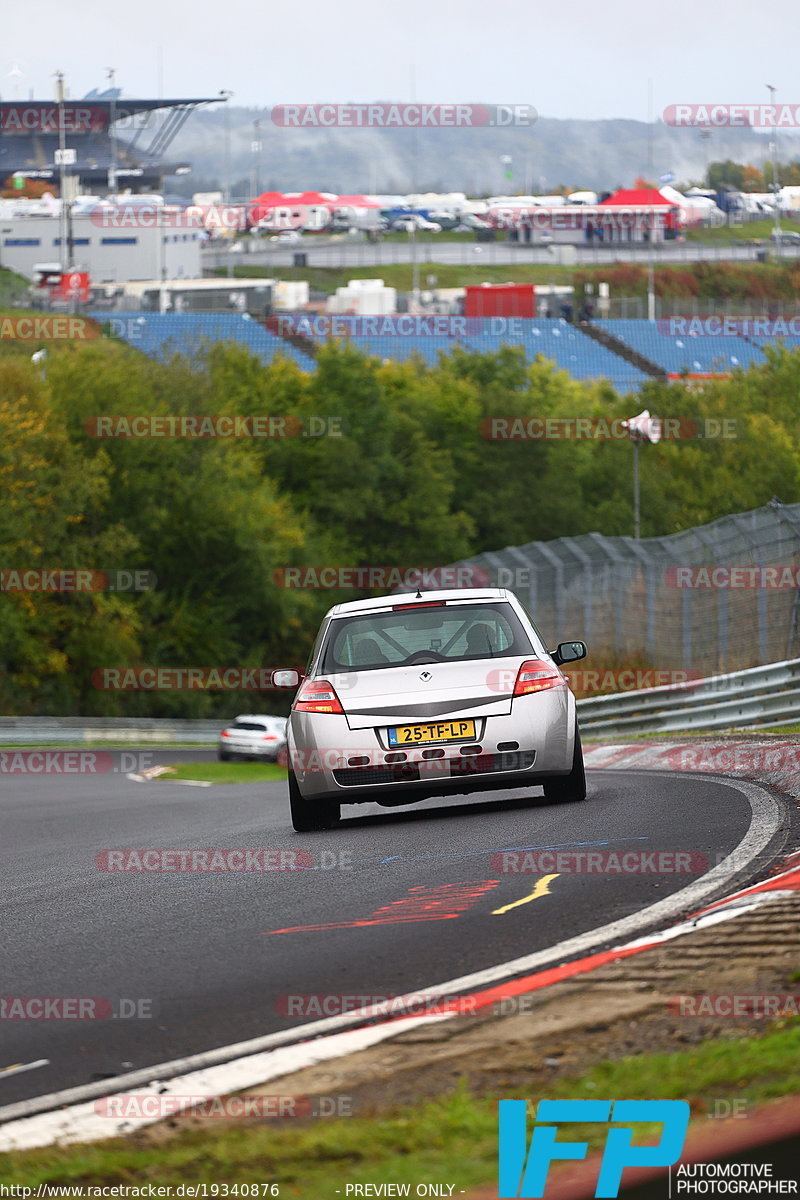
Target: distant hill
<point>599,154</point>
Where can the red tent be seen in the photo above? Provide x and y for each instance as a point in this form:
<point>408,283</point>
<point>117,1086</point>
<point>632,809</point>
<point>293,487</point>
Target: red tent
<point>269,199</point>
<point>355,202</point>
<point>264,204</point>
<point>308,198</point>
<point>648,196</point>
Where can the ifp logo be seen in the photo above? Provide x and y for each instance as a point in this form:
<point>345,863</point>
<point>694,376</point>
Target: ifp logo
<point>523,1172</point>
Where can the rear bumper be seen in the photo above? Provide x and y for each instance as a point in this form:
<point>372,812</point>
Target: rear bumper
<point>252,749</point>
<point>532,743</point>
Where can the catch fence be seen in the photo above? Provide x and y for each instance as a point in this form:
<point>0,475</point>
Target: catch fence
<point>650,601</point>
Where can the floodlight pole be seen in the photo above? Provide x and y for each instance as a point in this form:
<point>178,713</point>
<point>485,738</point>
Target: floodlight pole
<point>636,506</point>
<point>112,164</point>
<point>225,95</point>
<point>776,211</point>
<point>62,176</point>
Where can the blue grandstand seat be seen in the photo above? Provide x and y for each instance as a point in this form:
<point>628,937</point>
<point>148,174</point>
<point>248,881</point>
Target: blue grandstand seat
<point>560,341</point>
<point>160,335</point>
<point>694,354</point>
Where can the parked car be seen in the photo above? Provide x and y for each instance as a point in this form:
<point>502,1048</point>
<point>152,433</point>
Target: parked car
<point>411,696</point>
<point>287,235</point>
<point>786,237</point>
<point>445,221</point>
<point>413,222</point>
<point>468,222</point>
<point>252,736</point>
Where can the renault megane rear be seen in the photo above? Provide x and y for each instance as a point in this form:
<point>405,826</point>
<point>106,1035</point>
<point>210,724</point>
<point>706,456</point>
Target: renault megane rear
<point>423,695</point>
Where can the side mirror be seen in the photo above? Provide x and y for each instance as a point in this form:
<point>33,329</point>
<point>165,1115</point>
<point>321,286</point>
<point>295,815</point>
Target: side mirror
<point>567,652</point>
<point>286,679</point>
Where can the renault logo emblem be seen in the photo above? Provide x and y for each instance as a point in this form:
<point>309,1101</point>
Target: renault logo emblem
<point>425,676</point>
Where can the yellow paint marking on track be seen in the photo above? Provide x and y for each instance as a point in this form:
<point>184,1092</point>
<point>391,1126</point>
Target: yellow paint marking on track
<point>542,889</point>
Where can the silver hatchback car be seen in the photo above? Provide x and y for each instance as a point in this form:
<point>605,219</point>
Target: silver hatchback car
<point>252,735</point>
<point>419,695</point>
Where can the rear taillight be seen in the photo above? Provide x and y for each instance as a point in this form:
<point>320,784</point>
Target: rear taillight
<point>537,676</point>
<point>224,733</point>
<point>317,696</point>
<point>269,737</point>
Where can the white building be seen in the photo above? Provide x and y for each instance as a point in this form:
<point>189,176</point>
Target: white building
<point>110,255</point>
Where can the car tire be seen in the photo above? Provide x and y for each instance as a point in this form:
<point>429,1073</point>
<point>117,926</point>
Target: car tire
<point>223,757</point>
<point>565,788</point>
<point>310,815</point>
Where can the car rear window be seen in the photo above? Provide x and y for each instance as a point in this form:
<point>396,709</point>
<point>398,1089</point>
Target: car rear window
<point>453,633</point>
<point>254,725</point>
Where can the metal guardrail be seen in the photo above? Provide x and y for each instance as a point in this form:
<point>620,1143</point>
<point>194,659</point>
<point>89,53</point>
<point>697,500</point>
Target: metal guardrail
<point>757,698</point>
<point>56,730</point>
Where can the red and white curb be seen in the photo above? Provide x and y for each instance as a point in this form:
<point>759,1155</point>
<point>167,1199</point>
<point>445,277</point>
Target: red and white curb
<point>775,762</point>
<point>47,1119</point>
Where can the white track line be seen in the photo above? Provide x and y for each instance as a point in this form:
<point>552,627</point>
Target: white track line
<point>19,1068</point>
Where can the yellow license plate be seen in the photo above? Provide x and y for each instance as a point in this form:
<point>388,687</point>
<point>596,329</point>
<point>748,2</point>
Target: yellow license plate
<point>438,731</point>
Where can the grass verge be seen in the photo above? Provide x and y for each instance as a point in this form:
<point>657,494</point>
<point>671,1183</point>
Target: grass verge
<point>747,232</point>
<point>113,743</point>
<point>452,1138</point>
<point>731,281</point>
<point>226,772</point>
<point>400,275</point>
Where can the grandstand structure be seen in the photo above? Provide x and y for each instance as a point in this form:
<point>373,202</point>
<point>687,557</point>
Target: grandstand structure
<point>625,353</point>
<point>163,335</point>
<point>117,143</point>
<point>687,355</point>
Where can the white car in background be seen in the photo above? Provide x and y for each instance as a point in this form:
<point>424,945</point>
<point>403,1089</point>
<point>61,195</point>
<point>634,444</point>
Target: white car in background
<point>292,236</point>
<point>252,735</point>
<point>414,222</point>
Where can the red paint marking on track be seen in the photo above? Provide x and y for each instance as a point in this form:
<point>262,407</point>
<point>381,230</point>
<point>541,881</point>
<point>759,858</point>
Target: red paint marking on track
<point>442,903</point>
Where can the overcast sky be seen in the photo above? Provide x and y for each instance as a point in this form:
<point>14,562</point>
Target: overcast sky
<point>576,59</point>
